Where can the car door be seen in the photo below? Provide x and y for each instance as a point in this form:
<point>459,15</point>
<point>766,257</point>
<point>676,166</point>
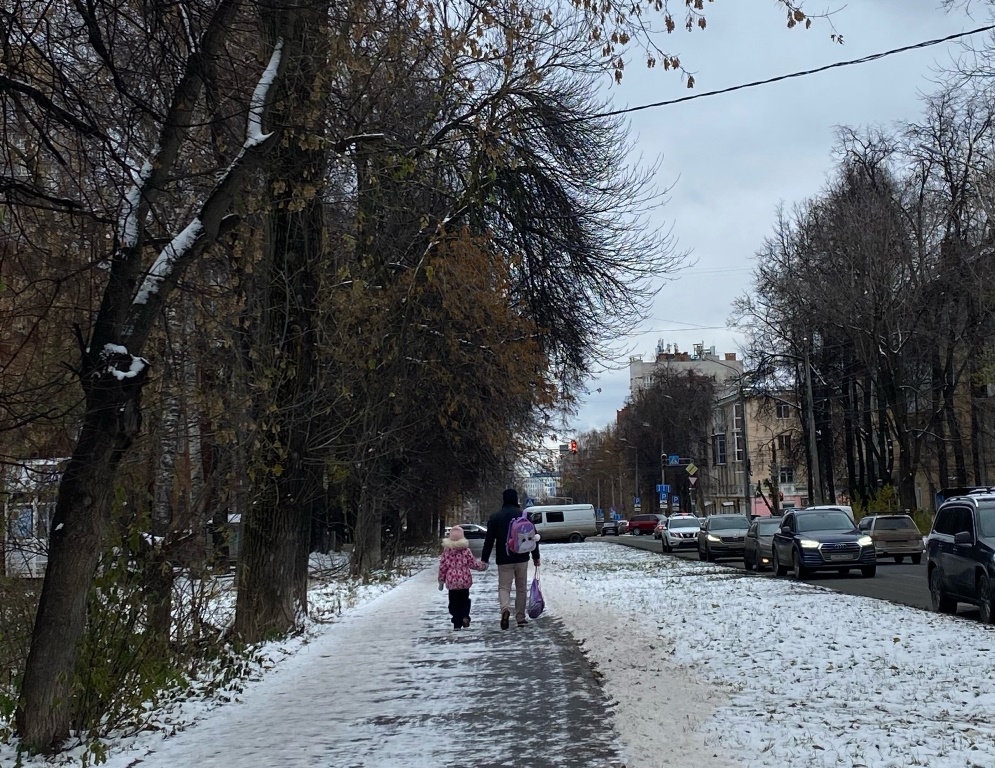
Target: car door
<point>959,561</point>
<point>750,549</point>
<point>782,542</point>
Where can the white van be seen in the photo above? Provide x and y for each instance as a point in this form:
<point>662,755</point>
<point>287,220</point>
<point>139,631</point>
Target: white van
<point>564,522</point>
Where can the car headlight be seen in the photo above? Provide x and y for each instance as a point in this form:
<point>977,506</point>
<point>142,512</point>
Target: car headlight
<point>808,544</point>
<point>713,537</point>
<point>865,541</point>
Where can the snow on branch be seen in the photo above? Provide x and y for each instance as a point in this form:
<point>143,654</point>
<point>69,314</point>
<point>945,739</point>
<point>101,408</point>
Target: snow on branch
<point>163,265</point>
<point>128,224</point>
<point>254,133</point>
<point>114,356</point>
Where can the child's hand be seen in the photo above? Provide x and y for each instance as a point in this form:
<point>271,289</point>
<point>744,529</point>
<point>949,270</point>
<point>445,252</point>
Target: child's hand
<point>441,585</point>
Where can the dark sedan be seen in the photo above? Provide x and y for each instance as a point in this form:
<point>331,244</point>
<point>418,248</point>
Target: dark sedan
<point>756,552</point>
<point>960,555</point>
<point>610,527</point>
<point>821,540</point>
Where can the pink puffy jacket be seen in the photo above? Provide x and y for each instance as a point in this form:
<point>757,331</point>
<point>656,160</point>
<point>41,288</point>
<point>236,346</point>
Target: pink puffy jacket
<point>455,564</point>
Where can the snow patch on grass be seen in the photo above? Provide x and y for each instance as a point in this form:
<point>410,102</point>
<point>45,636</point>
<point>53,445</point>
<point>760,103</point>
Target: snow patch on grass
<point>809,676</point>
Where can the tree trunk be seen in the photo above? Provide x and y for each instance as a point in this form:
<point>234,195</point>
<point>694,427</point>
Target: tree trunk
<point>269,602</point>
<point>110,423</point>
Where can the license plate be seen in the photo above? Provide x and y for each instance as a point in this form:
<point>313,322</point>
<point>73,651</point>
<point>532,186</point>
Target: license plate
<point>841,556</point>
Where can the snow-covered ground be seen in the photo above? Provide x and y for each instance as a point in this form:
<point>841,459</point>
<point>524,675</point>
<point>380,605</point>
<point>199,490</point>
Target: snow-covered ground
<point>705,668</point>
<point>332,597</point>
<point>713,667</point>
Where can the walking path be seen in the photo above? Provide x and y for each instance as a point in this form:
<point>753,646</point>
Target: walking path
<point>393,685</point>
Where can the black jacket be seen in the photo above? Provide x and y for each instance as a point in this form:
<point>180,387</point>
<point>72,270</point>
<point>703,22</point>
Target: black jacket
<point>497,538</point>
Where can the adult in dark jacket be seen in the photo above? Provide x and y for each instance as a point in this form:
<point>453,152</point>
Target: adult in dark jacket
<point>511,565</point>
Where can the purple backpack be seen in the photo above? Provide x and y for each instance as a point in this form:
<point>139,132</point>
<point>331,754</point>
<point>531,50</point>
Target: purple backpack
<point>522,535</point>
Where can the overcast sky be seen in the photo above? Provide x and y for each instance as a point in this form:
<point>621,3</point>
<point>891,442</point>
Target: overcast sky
<point>731,159</point>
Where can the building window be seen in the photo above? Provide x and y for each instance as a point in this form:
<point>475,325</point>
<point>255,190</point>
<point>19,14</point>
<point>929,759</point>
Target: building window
<point>719,449</point>
<point>783,411</point>
<point>786,476</point>
<point>784,443</point>
<point>738,442</point>
<point>737,417</point>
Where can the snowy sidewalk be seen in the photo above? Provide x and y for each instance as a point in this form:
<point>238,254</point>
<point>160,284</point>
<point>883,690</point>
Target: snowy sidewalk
<point>393,685</point>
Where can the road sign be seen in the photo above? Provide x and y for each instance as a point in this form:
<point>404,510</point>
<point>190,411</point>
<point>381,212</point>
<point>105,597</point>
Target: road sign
<point>675,500</point>
<point>692,469</point>
<point>636,506</point>
<point>673,460</point>
<point>662,488</point>
<point>693,481</point>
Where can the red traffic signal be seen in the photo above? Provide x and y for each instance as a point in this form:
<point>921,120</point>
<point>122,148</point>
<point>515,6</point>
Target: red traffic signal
<point>573,446</point>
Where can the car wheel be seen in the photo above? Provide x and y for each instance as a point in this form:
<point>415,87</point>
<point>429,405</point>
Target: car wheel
<point>899,559</point>
<point>708,554</point>
<point>941,602</point>
<point>796,562</point>
<point>666,545</point>
<point>985,597</point>
<point>701,553</point>
<point>576,538</point>
<point>916,559</point>
<point>868,571</point>
<point>775,562</point>
<point>747,565</point>
<point>637,532</point>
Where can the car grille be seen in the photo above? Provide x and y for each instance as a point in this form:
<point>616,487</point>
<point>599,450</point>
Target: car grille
<point>849,550</point>
<point>732,539</point>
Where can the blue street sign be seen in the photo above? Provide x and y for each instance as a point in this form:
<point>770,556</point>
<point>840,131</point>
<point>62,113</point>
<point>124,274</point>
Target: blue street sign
<point>675,500</point>
<point>599,514</point>
<point>663,488</point>
<point>530,502</point>
<point>673,460</point>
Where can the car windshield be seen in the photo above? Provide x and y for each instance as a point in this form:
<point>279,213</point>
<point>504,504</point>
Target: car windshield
<point>684,522</point>
<point>896,524</point>
<point>727,524</point>
<point>824,521</point>
<point>986,522</point>
<point>768,527</point>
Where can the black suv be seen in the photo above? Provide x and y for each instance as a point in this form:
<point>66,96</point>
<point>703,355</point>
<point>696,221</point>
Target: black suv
<point>959,555</point>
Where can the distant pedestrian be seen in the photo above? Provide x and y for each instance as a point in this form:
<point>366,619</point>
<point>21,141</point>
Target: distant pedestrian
<point>512,566</point>
<point>454,574</point>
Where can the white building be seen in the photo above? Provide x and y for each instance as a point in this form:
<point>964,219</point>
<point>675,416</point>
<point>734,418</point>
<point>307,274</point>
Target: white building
<point>668,358</point>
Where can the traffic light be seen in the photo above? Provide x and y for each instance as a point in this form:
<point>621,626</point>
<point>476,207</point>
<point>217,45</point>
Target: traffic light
<point>573,446</point>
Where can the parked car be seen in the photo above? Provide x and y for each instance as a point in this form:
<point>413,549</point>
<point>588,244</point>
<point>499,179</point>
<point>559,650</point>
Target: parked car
<point>680,531</point>
<point>894,536</point>
<point>610,527</point>
<point>722,536</point>
<point>960,555</point>
<point>658,531</point>
<point>821,540</point>
<point>623,527</point>
<point>640,524</point>
<point>756,548</point>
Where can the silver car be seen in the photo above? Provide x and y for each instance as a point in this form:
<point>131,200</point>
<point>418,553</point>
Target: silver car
<point>894,536</point>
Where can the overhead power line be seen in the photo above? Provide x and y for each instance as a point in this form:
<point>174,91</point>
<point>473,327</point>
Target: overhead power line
<point>779,78</point>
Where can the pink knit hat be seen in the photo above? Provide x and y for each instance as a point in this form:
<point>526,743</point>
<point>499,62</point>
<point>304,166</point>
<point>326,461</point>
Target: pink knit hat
<point>455,533</point>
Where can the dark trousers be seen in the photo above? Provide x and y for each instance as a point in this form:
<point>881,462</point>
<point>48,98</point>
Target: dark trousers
<point>459,605</point>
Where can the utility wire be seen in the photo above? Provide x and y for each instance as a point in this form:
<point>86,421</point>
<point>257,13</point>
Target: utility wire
<point>779,78</point>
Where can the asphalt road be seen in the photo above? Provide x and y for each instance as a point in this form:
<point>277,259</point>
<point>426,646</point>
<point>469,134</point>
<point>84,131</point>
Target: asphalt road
<point>905,584</point>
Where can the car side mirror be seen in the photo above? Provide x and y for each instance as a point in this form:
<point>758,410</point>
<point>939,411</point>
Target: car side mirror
<point>786,529</point>
<point>963,537</point>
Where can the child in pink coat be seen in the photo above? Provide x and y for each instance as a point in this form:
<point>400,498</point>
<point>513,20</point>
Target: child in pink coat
<point>454,574</point>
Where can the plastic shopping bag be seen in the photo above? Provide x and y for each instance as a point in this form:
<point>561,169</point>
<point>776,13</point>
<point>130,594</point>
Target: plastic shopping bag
<point>536,605</point>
